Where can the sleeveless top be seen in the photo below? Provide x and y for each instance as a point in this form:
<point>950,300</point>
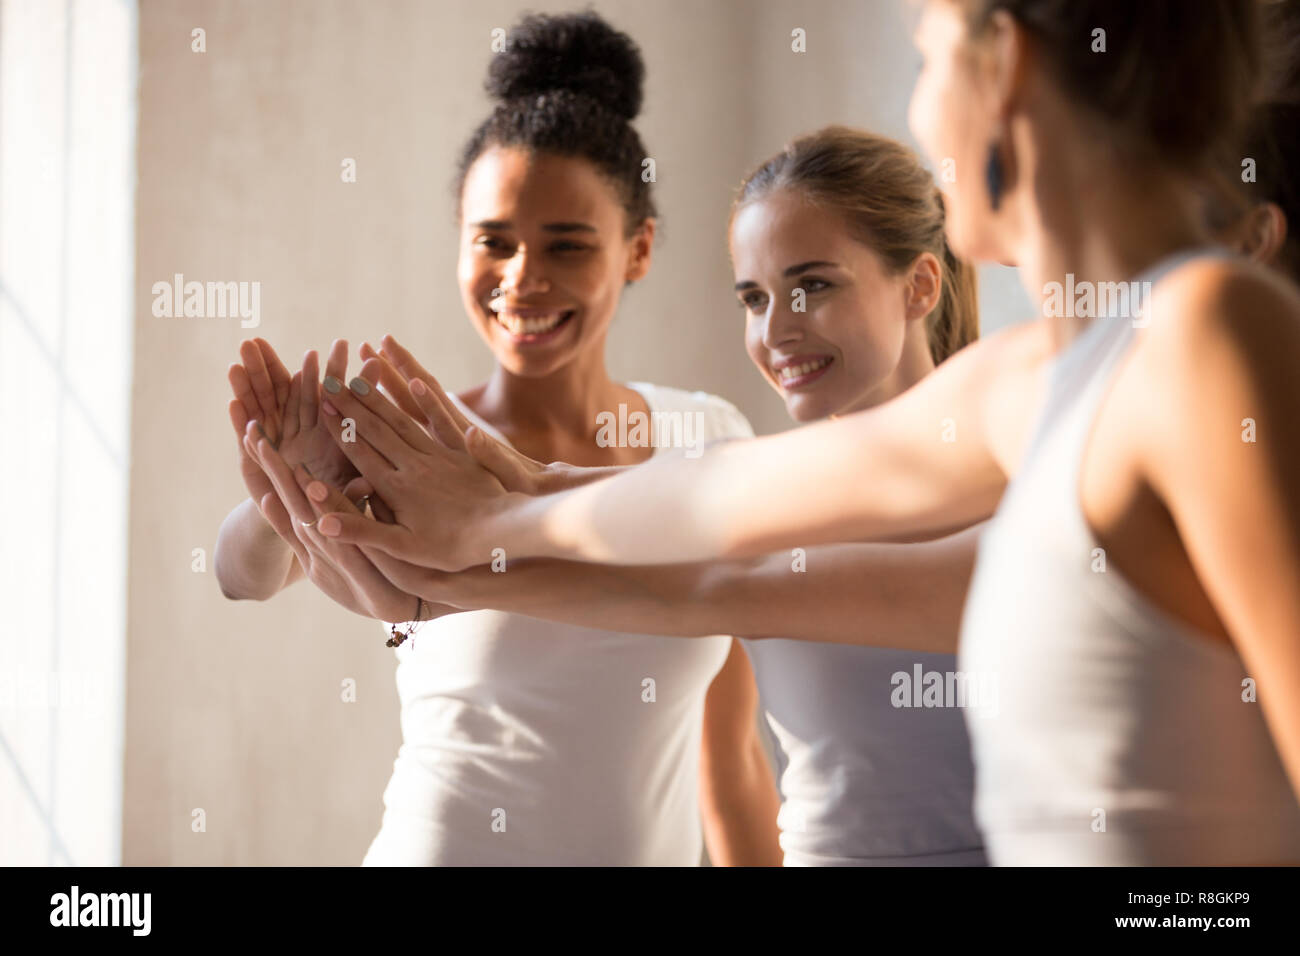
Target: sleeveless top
<point>872,770</point>
<point>1117,735</point>
<point>528,742</point>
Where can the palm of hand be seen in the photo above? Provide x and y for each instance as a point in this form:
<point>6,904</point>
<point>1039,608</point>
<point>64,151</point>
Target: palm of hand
<point>316,450</point>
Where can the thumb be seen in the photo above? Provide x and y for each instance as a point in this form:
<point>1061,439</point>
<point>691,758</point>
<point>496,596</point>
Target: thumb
<point>503,463</point>
<point>356,489</point>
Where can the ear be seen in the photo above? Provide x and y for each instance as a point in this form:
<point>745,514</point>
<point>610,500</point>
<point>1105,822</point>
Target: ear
<point>638,261</point>
<point>923,288</point>
<point>1005,53</point>
<point>1263,232</point>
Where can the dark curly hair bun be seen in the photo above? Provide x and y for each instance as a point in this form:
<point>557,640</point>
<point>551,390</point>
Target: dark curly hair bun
<point>578,52</point>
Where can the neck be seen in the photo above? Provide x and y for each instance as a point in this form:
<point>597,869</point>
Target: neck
<point>1100,221</point>
<point>914,364</point>
<point>562,404</point>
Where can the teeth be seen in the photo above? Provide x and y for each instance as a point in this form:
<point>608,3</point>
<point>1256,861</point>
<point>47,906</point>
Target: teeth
<point>794,371</point>
<point>532,325</point>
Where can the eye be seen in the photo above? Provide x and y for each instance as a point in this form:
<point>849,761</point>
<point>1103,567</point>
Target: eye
<point>753,301</point>
<point>567,246</point>
<point>491,243</point>
<point>811,285</point>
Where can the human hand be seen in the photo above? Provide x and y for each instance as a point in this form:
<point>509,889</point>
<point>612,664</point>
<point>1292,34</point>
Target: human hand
<point>515,470</point>
<point>438,493</point>
<point>343,572</point>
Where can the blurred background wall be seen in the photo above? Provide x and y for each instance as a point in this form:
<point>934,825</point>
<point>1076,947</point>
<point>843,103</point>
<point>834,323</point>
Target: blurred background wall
<point>234,711</point>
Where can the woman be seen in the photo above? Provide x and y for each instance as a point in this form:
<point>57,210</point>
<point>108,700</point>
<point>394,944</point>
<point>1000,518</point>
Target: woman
<point>851,297</point>
<point>1138,577</point>
<point>525,741</point>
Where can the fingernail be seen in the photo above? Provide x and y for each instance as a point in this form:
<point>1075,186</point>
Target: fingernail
<point>327,408</point>
<point>329,525</point>
<point>360,386</point>
<point>317,491</point>
<point>332,385</point>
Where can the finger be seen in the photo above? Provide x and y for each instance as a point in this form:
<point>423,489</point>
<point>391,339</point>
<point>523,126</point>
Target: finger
<point>309,401</point>
<point>435,408</point>
<point>392,382</point>
<point>353,529</point>
<point>238,417</point>
<point>363,455</point>
<point>286,488</point>
<point>357,489</point>
<point>354,562</point>
<point>260,379</point>
<point>411,369</point>
<point>292,418</point>
<point>240,384</point>
<point>498,459</point>
<point>281,522</point>
<point>336,363</point>
<point>275,368</point>
<point>382,511</point>
<point>384,425</point>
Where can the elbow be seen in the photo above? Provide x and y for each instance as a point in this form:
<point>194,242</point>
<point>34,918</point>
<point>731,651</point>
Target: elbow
<point>229,592</point>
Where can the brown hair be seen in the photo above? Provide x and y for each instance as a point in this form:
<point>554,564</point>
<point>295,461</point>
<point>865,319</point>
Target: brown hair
<point>889,202</point>
<point>1176,80</point>
<point>1272,139</point>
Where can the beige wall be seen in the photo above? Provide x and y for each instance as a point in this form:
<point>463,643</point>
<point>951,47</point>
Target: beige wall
<point>235,708</point>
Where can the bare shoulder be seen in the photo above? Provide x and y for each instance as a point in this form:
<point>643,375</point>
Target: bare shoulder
<point>1220,348</point>
<point>1210,303</point>
<point>1008,387</point>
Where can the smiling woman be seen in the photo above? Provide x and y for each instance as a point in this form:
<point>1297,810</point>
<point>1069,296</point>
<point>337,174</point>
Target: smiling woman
<point>524,742</point>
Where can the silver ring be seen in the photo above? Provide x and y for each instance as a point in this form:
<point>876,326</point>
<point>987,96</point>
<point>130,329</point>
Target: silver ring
<point>308,524</point>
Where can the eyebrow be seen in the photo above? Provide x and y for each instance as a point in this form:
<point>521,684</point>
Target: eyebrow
<point>561,227</point>
<point>791,271</point>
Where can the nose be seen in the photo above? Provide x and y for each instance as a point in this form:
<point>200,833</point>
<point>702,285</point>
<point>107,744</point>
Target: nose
<point>523,274</point>
<point>782,325</point>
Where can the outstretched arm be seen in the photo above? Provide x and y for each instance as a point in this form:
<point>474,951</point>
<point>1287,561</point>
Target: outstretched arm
<point>922,464</point>
<point>885,595</point>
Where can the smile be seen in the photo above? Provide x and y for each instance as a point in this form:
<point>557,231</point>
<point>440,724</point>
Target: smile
<point>532,325</point>
<point>802,373</point>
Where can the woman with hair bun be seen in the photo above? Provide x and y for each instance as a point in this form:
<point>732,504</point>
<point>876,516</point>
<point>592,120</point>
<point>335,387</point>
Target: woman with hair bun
<point>526,741</point>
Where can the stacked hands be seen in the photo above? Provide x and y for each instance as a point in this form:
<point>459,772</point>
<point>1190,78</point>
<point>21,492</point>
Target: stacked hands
<point>315,454</point>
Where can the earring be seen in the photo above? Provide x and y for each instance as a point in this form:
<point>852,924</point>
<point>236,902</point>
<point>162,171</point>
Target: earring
<point>994,176</point>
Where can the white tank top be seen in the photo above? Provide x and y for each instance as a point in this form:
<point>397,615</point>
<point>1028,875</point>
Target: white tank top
<point>530,742</point>
<point>1118,735</point>
<point>872,770</point>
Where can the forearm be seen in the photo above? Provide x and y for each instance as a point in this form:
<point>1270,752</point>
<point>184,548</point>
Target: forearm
<point>251,561</point>
<point>892,595</point>
<point>816,485</point>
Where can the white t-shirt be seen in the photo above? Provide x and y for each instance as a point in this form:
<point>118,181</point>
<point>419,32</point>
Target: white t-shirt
<point>532,742</point>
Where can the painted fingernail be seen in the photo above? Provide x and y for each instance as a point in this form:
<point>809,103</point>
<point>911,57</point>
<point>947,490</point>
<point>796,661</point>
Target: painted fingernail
<point>317,491</point>
<point>332,385</point>
<point>360,386</point>
<point>418,387</point>
<point>329,525</point>
<point>327,408</point>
